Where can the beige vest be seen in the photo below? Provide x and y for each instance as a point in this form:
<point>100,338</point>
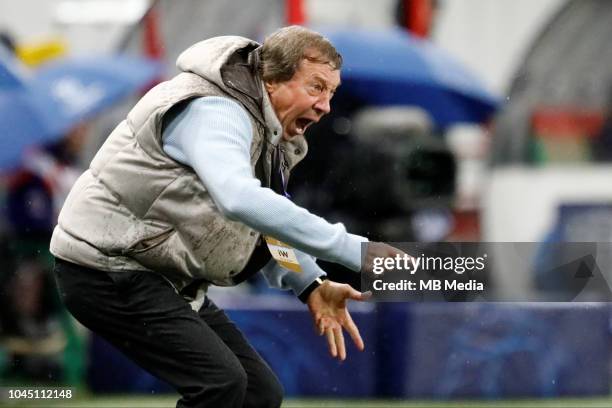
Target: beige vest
<point>138,209</point>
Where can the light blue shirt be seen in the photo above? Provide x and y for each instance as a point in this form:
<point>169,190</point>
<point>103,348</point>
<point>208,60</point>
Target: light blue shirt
<point>213,135</point>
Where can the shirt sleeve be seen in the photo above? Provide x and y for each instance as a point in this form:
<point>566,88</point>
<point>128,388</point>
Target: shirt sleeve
<point>213,135</point>
<point>284,279</point>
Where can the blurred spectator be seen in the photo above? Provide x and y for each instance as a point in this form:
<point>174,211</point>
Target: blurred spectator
<point>32,334</point>
<point>38,335</point>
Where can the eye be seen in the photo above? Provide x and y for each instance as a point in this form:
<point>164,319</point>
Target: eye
<point>318,88</point>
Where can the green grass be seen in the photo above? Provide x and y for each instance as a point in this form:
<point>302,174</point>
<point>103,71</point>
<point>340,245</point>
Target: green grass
<point>132,401</point>
<point>551,403</point>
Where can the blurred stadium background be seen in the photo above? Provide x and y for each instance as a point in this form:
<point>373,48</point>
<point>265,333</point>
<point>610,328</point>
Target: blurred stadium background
<point>468,120</point>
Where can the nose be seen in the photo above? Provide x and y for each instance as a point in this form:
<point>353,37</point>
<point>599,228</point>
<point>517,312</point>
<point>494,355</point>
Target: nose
<point>322,105</point>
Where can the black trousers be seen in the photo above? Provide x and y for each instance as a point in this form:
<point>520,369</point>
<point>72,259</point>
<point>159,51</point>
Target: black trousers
<point>202,354</point>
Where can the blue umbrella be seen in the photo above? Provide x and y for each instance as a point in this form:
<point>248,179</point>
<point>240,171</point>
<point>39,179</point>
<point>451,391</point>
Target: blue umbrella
<point>62,94</point>
<point>392,67</point>
<point>8,79</point>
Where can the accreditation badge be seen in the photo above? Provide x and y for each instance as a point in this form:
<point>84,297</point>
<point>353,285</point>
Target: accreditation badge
<point>283,254</point>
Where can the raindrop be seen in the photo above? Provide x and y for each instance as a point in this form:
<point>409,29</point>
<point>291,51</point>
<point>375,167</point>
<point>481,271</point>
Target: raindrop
<point>342,126</point>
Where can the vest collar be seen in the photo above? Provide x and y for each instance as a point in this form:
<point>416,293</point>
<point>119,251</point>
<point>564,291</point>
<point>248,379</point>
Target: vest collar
<point>271,120</point>
<point>240,76</point>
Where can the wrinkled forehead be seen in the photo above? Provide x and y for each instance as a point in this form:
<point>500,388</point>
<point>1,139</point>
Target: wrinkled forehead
<point>314,55</point>
<point>324,71</point>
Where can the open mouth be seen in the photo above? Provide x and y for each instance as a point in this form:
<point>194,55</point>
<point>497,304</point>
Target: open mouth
<point>302,123</point>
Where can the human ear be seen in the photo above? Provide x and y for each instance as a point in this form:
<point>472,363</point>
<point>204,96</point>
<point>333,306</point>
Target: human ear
<point>270,87</point>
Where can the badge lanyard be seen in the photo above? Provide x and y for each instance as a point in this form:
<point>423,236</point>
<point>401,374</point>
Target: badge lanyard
<point>282,253</point>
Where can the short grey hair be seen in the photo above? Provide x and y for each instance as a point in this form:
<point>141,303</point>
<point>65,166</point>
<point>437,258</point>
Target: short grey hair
<point>284,50</point>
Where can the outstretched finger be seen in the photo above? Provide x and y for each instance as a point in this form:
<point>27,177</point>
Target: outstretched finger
<point>353,331</point>
<point>331,342</point>
<point>339,337</point>
<point>321,327</point>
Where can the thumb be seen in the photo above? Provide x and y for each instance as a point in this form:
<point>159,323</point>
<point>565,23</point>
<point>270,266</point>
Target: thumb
<point>360,296</point>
